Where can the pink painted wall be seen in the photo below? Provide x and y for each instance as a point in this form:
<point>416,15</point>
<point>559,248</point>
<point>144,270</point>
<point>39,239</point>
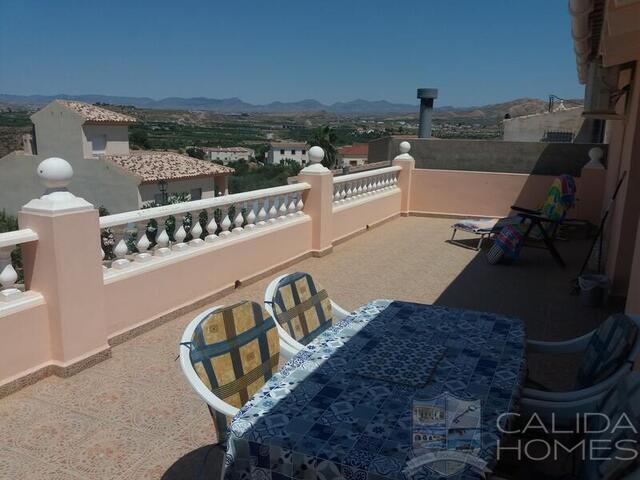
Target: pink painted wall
<point>462,193</point>
<point>25,342</point>
<point>354,217</point>
<point>143,296</point>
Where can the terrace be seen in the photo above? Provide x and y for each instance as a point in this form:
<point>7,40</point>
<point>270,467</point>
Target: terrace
<point>91,387</point>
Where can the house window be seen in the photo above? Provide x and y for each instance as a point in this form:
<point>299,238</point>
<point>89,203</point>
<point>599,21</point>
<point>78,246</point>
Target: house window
<point>282,152</point>
<point>303,151</point>
<point>99,144</point>
<point>196,194</point>
<point>293,152</point>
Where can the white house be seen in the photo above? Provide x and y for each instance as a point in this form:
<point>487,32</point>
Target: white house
<point>228,154</point>
<point>560,125</point>
<point>95,141</point>
<point>281,151</point>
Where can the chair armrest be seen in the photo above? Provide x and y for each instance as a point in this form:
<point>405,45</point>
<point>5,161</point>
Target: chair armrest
<point>574,395</point>
<point>574,345</point>
<point>287,350</point>
<point>540,218</point>
<point>516,208</point>
<point>339,313</point>
<point>560,413</point>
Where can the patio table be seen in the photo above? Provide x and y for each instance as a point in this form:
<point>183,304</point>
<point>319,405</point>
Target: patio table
<point>329,413</point>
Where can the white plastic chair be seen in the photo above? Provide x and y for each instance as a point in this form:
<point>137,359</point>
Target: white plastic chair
<point>286,340</point>
<point>215,403</point>
<point>563,406</point>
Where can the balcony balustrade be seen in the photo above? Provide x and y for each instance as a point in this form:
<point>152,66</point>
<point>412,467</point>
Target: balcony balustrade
<point>93,282</point>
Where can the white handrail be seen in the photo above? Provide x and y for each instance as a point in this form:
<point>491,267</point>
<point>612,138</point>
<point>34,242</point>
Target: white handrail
<point>367,174</point>
<point>195,205</point>
<point>17,237</point>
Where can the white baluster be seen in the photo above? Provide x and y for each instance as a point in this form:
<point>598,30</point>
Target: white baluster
<point>142,244</point>
<point>179,235</point>
<point>196,230</point>
<point>239,220</point>
<point>225,225</point>
<point>120,252</point>
<point>273,211</point>
<point>8,277</point>
<point>162,240</point>
<point>282,211</point>
<point>299,205</point>
<point>251,219</point>
<point>336,194</point>
<point>349,192</point>
<point>343,193</point>
<point>262,216</point>
<point>292,207</point>
<point>212,227</point>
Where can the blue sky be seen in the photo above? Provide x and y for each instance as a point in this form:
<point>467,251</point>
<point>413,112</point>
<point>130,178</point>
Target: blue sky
<point>475,52</point>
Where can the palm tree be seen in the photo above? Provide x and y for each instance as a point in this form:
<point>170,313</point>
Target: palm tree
<point>325,137</point>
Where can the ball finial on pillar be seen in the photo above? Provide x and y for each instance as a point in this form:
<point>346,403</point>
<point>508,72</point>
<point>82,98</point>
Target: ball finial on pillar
<point>405,147</point>
<point>595,158</point>
<point>316,154</point>
<point>55,173</point>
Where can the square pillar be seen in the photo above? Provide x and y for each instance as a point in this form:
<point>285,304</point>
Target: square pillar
<point>318,202</point>
<point>65,267</point>
<point>407,163</point>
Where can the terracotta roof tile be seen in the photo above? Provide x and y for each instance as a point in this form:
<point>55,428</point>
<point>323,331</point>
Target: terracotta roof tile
<point>92,113</point>
<point>152,166</point>
<point>356,149</point>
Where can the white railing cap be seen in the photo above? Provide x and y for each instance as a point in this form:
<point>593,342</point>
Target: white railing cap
<point>198,205</point>
<point>367,174</point>
<point>17,237</point>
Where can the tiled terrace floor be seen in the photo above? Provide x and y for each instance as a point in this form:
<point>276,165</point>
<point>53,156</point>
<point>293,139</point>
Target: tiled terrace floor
<point>133,416</point>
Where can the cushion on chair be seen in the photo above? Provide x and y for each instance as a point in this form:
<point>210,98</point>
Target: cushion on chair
<point>607,350</point>
<point>302,307</point>
<point>615,434</point>
<point>235,351</point>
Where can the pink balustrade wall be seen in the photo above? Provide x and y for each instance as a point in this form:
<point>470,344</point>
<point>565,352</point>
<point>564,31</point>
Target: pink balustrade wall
<point>25,343</point>
<point>459,193</point>
<point>146,295</point>
<point>140,296</point>
<point>351,219</point>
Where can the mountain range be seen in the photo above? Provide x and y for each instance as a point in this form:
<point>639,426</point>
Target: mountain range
<point>522,106</point>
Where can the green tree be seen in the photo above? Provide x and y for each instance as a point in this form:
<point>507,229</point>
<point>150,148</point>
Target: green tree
<point>195,152</point>
<point>139,138</point>
<point>325,137</point>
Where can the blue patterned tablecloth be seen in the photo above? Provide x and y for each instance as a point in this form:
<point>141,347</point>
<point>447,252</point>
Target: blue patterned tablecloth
<point>318,418</point>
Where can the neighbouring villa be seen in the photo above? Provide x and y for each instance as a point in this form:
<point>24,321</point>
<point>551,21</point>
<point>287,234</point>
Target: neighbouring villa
<point>291,332</point>
<point>95,141</point>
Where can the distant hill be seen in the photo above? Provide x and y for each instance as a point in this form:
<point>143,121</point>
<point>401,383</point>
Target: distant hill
<point>518,107</point>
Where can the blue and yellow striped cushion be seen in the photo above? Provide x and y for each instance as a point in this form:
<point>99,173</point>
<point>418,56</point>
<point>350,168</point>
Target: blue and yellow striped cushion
<point>235,351</point>
<point>607,351</point>
<point>302,307</point>
<point>614,435</point>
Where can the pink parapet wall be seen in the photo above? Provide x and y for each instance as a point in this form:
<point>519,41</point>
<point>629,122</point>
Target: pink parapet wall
<point>351,219</point>
<point>458,193</point>
<point>137,296</point>
<point>25,341</point>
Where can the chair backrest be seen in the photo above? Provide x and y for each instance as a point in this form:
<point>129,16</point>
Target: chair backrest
<point>608,350</point>
<point>302,307</point>
<point>616,434</point>
<point>234,351</point>
<point>560,198</point>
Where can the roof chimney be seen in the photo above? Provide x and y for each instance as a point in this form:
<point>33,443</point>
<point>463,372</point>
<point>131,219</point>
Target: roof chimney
<point>426,96</point>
